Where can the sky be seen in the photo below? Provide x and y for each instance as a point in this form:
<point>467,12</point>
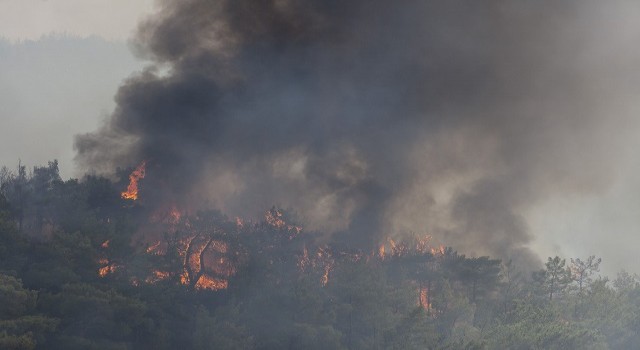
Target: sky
<point>62,61</point>
<point>112,20</point>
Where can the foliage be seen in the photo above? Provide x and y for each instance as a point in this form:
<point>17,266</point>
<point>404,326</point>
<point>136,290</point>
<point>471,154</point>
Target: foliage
<point>19,327</point>
<point>283,288</point>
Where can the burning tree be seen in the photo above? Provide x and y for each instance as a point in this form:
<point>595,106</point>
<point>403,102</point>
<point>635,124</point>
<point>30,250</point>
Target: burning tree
<point>134,178</point>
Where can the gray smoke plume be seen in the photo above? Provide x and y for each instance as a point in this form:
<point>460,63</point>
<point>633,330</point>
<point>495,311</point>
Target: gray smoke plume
<point>367,117</point>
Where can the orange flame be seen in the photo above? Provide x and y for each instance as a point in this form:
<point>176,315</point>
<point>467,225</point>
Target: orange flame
<point>424,298</point>
<point>274,218</point>
<point>438,251</point>
<point>304,260</point>
<point>103,271</point>
<point>239,223</point>
<point>174,215</point>
<point>154,249</point>
<point>136,175</point>
<point>107,268</point>
<point>325,276</point>
<point>206,282</point>
<point>157,276</point>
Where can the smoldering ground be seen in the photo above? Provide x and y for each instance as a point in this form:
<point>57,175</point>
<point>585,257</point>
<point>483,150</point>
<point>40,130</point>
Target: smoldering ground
<point>372,117</point>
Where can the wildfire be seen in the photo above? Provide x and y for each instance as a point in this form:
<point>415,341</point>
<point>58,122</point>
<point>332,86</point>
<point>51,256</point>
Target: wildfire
<point>168,215</point>
<point>438,251</point>
<point>219,246</point>
<point>304,260</point>
<point>325,275</point>
<point>136,175</point>
<point>322,260</point>
<point>107,268</point>
<point>398,249</point>
<point>184,278</point>
<point>174,215</point>
<point>394,248</point>
<point>274,218</point>
<point>209,261</point>
<point>425,303</point>
<point>154,248</point>
<point>205,260</point>
<point>210,283</point>
<point>239,223</point>
<point>157,276</point>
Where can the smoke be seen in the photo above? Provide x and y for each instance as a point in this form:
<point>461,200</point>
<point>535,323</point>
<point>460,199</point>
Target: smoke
<point>368,117</point>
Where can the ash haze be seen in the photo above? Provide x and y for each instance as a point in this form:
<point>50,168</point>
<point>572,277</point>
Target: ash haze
<point>60,63</point>
<point>502,128</point>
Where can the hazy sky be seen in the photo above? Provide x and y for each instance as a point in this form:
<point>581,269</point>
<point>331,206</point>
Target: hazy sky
<point>109,19</point>
<point>61,62</point>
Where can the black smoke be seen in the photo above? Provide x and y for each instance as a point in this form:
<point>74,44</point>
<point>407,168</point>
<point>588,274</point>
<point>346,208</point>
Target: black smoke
<point>368,117</point>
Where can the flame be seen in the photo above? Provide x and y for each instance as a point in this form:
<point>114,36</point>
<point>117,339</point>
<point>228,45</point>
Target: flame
<point>107,268</point>
<point>274,218</point>
<point>326,260</point>
<point>209,283</point>
<point>304,261</point>
<point>323,260</point>
<point>136,175</point>
<point>205,264</point>
<point>157,276</point>
<point>169,215</point>
<point>184,277</point>
<point>424,245</point>
<point>398,249</point>
<point>174,215</point>
<point>154,249</point>
<point>325,276</point>
<point>220,246</point>
<point>209,261</point>
<point>103,271</point>
<point>424,298</point>
<point>438,251</point>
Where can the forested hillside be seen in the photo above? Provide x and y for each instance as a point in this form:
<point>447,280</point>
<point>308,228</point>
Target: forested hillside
<point>84,267</point>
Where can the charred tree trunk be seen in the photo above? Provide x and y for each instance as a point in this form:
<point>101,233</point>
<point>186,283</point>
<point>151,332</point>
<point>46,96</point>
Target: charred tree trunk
<point>185,262</point>
<point>201,264</point>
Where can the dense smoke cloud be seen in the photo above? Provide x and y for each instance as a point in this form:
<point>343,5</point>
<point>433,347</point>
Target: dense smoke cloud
<point>367,117</point>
